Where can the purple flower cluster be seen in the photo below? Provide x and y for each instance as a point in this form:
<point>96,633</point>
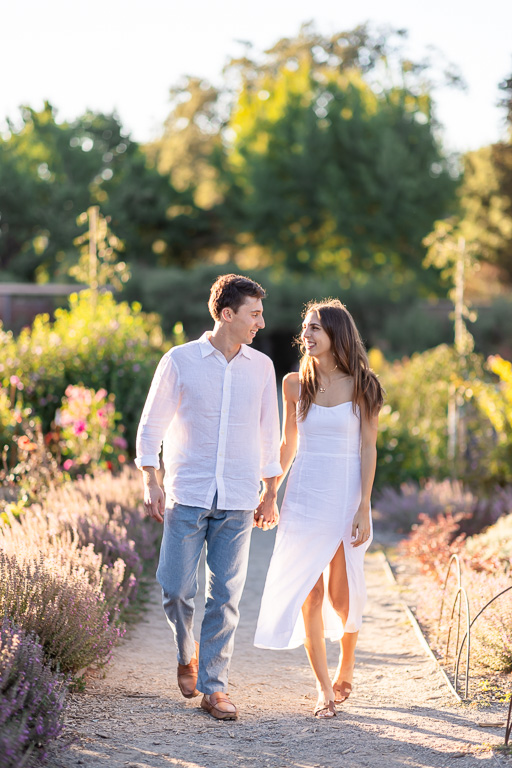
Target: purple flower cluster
<point>69,615</point>
<point>68,567</point>
<point>32,699</point>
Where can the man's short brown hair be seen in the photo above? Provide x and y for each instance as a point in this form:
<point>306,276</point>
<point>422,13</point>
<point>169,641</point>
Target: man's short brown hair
<point>231,291</point>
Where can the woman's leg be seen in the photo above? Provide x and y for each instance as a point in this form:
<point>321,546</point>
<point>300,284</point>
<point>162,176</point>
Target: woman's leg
<point>339,597</point>
<point>315,643</point>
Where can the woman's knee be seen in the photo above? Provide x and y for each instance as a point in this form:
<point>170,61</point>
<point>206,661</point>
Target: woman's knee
<point>314,600</point>
<point>340,604</point>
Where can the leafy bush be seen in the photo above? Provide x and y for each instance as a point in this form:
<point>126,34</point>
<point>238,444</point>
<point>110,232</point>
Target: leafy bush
<point>88,437</point>
<point>32,699</point>
<point>494,402</point>
<point>434,540</point>
<point>28,467</point>
<point>413,441</point>
<point>486,561</point>
<point>96,342</point>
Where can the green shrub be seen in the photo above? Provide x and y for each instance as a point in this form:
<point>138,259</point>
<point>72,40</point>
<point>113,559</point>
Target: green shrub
<point>97,342</point>
<point>413,441</point>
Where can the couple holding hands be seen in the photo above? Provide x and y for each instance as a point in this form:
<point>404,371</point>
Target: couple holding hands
<point>213,404</point>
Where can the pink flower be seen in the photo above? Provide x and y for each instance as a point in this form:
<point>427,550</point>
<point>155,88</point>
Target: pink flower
<point>79,427</point>
<point>120,442</point>
<point>68,464</point>
<point>16,382</point>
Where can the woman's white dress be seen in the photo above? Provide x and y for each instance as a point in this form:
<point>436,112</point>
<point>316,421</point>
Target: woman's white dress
<point>322,496</point>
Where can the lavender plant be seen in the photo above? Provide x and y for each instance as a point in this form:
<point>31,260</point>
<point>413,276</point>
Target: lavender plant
<point>70,616</point>
<point>32,699</point>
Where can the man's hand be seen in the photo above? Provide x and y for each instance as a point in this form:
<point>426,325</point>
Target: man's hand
<point>154,499</point>
<point>266,516</point>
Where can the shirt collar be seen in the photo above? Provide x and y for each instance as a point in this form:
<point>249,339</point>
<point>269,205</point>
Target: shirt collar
<point>207,347</point>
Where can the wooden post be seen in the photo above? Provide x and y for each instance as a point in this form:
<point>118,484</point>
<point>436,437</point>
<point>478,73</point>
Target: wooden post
<point>93,213</point>
<point>456,426</point>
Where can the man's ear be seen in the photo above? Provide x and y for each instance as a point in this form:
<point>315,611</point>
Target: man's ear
<point>227,314</point>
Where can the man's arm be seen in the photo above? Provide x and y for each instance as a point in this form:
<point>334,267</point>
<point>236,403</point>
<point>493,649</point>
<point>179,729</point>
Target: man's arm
<point>154,498</point>
<point>161,404</point>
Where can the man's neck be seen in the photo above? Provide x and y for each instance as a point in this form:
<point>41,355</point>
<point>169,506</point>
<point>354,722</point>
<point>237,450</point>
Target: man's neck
<point>221,341</point>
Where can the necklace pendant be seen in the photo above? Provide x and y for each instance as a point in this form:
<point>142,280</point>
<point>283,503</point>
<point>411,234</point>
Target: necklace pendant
<point>321,390</point>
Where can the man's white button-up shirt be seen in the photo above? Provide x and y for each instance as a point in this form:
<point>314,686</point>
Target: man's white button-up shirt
<point>219,424</point>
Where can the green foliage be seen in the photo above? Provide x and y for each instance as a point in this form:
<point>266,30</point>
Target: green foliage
<point>486,195</point>
<point>52,171</point>
<point>330,175</point>
<point>388,317</point>
<point>87,436</point>
<point>98,265</point>
<point>413,441</point>
<point>495,403</point>
<point>485,560</point>
<point>101,344</point>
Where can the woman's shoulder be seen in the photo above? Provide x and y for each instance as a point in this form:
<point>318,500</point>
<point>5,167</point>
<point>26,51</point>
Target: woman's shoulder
<point>291,386</point>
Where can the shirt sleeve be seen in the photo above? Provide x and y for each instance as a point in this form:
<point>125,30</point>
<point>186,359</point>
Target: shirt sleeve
<point>161,405</point>
<point>270,465</point>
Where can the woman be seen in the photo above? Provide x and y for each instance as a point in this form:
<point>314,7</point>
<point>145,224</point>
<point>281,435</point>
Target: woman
<point>315,585</point>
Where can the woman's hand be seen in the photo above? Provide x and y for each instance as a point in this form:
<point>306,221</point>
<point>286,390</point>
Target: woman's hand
<point>266,516</point>
<point>361,528</point>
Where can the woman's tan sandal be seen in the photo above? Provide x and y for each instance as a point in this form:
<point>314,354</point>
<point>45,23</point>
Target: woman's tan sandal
<point>341,691</point>
<point>325,710</point>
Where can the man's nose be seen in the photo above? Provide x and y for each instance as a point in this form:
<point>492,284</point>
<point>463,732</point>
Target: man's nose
<point>261,323</point>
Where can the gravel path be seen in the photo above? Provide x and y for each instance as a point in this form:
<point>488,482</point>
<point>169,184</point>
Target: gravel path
<point>401,712</point>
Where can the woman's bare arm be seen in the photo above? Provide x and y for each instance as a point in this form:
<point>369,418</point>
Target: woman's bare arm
<point>289,437</point>
<point>361,522</point>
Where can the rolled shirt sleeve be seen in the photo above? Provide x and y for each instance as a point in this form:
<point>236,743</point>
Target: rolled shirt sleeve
<point>269,427</point>
<point>161,405</point>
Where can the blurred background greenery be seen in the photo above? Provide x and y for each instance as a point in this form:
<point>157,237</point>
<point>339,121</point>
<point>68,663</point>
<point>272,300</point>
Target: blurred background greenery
<point>317,169</point>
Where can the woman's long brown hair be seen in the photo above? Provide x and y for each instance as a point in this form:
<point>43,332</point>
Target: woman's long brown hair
<point>349,355</point>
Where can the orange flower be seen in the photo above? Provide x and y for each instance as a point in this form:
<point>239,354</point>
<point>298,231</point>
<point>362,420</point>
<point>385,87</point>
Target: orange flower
<point>26,444</point>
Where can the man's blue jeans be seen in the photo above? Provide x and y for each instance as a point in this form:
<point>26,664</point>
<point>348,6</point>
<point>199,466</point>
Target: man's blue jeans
<point>227,534</point>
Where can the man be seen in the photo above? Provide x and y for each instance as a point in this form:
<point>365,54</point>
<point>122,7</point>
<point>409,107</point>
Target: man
<point>213,403</point>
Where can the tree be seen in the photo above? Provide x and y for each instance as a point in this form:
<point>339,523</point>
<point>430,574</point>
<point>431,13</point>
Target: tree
<point>191,133</point>
<point>486,196</point>
<point>326,168</point>
<point>50,171</point>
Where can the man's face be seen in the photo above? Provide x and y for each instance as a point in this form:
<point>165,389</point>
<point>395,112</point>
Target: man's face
<point>246,323</point>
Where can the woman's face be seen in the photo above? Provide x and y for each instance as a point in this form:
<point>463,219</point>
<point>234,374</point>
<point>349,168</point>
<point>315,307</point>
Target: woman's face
<point>314,338</point>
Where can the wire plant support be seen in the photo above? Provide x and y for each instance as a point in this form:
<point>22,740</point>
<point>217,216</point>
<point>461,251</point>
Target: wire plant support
<point>461,599</point>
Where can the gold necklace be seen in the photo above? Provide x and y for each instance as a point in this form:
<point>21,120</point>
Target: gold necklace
<point>322,389</point>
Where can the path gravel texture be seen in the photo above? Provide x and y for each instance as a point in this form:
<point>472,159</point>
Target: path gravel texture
<point>401,712</point>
